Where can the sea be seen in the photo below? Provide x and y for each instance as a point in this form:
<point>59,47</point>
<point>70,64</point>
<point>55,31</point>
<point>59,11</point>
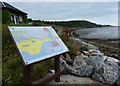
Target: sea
<point>103,33</point>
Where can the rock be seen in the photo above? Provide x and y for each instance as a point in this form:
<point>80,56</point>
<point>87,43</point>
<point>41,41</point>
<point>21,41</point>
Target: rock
<point>118,81</point>
<point>93,51</point>
<point>78,40</point>
<point>83,49</point>
<point>102,68</point>
<point>80,67</point>
<point>114,55</point>
<point>63,66</point>
<point>107,72</point>
<point>86,45</point>
<point>86,53</point>
<point>95,61</point>
<point>97,54</point>
<point>119,63</point>
<point>61,56</point>
<point>68,58</point>
<point>89,46</point>
<point>111,59</point>
<point>79,53</point>
<point>82,57</point>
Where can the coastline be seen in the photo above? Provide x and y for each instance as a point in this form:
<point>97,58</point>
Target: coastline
<point>107,47</point>
<point>110,47</point>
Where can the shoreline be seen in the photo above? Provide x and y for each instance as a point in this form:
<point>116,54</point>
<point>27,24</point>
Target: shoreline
<point>106,46</point>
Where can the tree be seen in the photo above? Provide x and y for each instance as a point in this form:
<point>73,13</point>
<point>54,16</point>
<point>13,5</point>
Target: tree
<point>29,20</point>
<point>6,17</point>
<point>25,18</point>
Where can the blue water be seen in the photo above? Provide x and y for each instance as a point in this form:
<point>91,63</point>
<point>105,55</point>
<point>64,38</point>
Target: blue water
<point>99,33</point>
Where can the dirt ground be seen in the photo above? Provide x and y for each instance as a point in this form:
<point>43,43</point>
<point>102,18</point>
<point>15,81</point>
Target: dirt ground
<point>72,80</point>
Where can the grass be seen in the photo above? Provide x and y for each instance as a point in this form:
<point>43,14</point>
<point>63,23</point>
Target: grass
<point>72,46</point>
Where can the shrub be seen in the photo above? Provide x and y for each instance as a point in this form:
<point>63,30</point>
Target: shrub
<point>38,23</point>
<point>71,45</point>
<point>6,17</point>
<point>24,18</point>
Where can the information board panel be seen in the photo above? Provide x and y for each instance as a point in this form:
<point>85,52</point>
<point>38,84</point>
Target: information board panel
<point>37,43</point>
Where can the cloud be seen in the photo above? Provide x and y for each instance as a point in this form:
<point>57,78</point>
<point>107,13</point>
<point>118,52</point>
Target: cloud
<point>94,11</point>
<point>61,0</point>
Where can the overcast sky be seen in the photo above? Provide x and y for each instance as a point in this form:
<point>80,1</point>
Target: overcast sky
<point>97,12</point>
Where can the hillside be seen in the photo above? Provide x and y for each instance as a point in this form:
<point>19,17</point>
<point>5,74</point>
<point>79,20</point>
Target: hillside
<point>75,24</point>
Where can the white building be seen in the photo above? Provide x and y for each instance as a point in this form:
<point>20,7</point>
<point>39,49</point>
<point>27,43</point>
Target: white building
<point>17,15</point>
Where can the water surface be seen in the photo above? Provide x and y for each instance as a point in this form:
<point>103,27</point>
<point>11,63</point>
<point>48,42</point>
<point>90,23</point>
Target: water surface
<point>99,33</point>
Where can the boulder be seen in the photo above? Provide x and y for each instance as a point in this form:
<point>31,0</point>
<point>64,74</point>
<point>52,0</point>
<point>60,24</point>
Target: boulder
<point>97,54</point>
<point>92,62</point>
<point>86,53</point>
<point>63,66</point>
<point>85,45</point>
<point>68,58</point>
<point>89,46</point>
<point>80,67</point>
<point>107,72</point>
<point>95,61</point>
<point>111,59</point>
<point>118,80</point>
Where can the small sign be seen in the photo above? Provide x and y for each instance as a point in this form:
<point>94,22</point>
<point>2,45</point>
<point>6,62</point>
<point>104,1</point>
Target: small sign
<point>37,43</point>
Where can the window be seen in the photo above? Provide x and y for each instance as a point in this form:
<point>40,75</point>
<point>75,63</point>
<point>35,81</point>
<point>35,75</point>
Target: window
<point>17,19</point>
<point>12,19</point>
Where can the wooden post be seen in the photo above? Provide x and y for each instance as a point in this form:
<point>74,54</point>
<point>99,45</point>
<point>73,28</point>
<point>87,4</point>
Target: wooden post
<point>28,75</point>
<point>57,67</point>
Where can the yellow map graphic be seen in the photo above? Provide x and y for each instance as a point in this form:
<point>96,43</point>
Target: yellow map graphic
<point>32,46</point>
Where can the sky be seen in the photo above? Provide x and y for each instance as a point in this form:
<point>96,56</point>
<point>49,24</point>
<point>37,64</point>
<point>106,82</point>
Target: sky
<point>98,12</point>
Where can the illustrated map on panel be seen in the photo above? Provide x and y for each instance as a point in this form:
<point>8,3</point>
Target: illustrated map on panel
<point>37,43</point>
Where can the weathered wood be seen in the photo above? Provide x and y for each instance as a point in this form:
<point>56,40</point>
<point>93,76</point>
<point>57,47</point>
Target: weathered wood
<point>57,67</point>
<point>45,80</point>
<point>28,75</point>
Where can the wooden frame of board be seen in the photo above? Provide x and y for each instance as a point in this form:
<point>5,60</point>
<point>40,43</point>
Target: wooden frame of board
<point>28,68</point>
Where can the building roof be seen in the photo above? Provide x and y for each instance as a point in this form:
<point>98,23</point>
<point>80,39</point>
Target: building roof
<point>4,5</point>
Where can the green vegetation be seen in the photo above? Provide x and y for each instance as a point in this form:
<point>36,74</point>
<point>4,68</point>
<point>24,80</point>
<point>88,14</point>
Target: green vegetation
<point>75,24</point>
<point>72,46</point>
<point>6,17</point>
<point>20,25</point>
<point>25,18</point>
<point>0,17</point>
<point>12,70</point>
<point>38,23</point>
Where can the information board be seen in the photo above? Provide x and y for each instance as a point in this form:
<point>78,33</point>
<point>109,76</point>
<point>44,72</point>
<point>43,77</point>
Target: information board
<point>37,43</point>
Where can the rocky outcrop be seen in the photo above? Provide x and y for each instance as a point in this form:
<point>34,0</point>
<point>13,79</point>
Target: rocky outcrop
<point>80,67</point>
<point>118,80</point>
<point>106,72</point>
<point>63,65</point>
<point>95,64</point>
<point>67,58</point>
